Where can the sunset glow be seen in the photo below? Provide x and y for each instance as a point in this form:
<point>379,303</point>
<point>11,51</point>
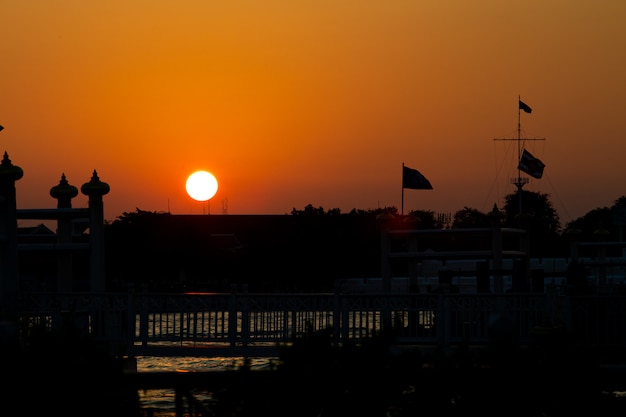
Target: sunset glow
<point>319,103</point>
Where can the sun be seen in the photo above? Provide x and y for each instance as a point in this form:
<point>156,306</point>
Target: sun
<point>201,185</point>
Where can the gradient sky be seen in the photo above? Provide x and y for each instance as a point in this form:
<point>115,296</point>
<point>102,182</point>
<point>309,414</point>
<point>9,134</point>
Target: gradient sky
<point>295,103</point>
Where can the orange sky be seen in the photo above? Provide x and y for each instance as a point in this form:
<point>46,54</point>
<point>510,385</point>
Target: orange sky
<point>295,103</point>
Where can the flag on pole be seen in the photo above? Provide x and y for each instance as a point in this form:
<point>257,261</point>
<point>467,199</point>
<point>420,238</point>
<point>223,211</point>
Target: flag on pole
<point>412,178</point>
<point>525,107</point>
<point>531,165</point>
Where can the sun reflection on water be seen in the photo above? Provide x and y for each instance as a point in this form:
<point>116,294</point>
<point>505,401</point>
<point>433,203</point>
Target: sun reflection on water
<point>162,401</point>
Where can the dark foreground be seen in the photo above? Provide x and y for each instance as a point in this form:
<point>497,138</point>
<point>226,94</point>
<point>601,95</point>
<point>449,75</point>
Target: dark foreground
<point>74,376</point>
<point>357,383</point>
<point>308,392</point>
<point>427,392</point>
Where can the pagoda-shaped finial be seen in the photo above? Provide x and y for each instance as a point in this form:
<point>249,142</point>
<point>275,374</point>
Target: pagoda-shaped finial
<point>496,215</point>
<point>95,187</point>
<point>64,192</point>
<point>8,170</point>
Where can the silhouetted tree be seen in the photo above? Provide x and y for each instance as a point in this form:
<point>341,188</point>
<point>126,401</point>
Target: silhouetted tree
<point>309,210</point>
<point>470,217</point>
<point>590,223</point>
<point>538,217</point>
<point>393,211</point>
<point>426,219</point>
<point>600,224</point>
<point>312,248</point>
<point>611,219</point>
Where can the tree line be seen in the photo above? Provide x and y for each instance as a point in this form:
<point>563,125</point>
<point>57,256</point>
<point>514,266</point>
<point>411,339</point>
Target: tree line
<point>312,248</point>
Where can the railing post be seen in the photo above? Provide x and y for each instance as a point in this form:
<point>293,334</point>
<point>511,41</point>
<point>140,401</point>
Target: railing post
<point>345,320</point>
<point>286,329</point>
<point>143,317</point>
<point>294,321</point>
<point>131,315</point>
<point>245,316</point>
<point>443,327</point>
<point>232,316</point>
<point>337,316</point>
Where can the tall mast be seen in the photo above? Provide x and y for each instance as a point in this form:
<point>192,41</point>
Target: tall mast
<point>520,181</point>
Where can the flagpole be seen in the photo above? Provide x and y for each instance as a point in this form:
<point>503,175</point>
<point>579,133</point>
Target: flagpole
<point>402,184</point>
<point>519,182</point>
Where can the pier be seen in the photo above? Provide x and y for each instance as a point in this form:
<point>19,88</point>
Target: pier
<point>242,324</point>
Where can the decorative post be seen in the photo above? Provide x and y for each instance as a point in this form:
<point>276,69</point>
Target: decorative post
<point>9,277</point>
<point>64,192</point>
<point>95,189</point>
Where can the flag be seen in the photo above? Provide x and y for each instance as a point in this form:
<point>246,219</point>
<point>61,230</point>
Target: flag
<point>525,107</point>
<point>531,165</point>
<point>412,178</point>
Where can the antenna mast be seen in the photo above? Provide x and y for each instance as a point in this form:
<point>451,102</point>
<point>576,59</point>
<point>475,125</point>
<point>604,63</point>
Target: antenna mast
<point>520,181</point>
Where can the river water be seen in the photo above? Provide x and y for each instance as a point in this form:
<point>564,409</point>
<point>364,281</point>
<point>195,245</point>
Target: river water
<point>200,364</point>
<point>161,402</point>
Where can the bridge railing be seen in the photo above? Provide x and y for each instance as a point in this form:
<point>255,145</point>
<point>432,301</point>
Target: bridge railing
<point>249,319</point>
